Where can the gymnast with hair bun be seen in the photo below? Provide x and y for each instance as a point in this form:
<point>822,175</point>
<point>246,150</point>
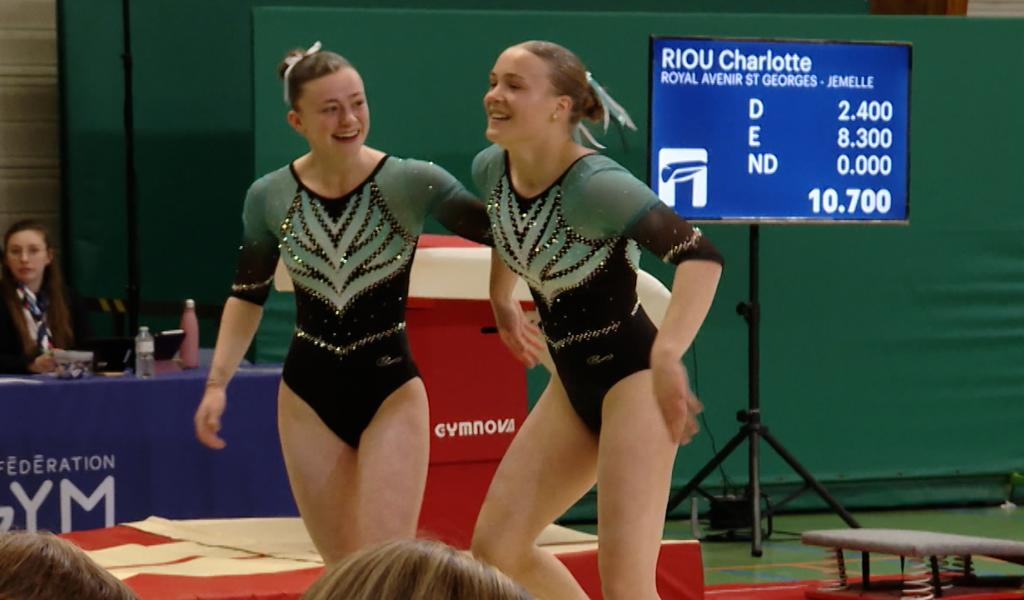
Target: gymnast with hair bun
<point>344,218</point>
<point>570,222</point>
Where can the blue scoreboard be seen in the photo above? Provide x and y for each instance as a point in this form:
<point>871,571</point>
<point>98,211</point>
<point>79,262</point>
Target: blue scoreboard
<point>780,130</point>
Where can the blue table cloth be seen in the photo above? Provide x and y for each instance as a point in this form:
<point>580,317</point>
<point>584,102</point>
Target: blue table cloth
<point>90,453</point>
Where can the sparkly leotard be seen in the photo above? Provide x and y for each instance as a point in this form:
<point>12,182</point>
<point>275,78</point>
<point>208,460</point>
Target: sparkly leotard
<point>576,246</point>
<point>349,259</point>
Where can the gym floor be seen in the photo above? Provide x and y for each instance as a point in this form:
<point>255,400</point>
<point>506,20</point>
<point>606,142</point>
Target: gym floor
<point>785,559</point>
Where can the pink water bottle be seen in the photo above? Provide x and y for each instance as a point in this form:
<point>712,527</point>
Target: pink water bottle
<point>190,345</point>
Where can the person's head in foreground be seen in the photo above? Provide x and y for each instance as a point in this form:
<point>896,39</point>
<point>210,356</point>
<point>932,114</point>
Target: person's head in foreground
<point>413,570</point>
<point>41,566</point>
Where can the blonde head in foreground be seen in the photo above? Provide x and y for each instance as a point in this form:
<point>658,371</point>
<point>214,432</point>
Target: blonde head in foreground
<point>413,570</point>
<point>41,566</point>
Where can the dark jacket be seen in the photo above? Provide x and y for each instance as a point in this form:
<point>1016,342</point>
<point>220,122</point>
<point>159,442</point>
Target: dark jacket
<point>12,357</point>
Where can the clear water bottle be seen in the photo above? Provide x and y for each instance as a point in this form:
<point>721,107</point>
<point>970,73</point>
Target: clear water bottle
<point>145,365</point>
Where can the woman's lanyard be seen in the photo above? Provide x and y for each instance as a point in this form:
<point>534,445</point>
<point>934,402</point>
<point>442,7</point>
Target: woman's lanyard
<point>35,317</point>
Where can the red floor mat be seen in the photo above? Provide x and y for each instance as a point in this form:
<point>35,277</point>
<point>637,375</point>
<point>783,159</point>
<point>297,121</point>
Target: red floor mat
<point>767,591</point>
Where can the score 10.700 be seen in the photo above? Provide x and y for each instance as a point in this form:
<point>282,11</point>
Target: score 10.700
<point>857,201</point>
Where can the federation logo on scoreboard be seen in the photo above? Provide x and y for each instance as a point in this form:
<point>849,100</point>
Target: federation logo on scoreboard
<point>683,176</point>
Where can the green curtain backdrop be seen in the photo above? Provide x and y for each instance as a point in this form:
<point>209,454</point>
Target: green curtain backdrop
<point>891,355</point>
<point>193,108</point>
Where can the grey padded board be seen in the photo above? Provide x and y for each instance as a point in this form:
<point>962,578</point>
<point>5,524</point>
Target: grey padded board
<point>906,542</point>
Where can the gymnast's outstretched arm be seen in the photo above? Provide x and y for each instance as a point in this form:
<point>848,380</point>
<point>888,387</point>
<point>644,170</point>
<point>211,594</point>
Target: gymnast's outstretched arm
<point>238,324</point>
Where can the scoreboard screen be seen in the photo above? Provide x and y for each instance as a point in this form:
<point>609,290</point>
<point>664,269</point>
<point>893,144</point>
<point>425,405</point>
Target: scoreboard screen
<point>780,130</point>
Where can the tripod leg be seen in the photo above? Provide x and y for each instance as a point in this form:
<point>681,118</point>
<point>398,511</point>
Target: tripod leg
<point>811,481</point>
<point>755,494</point>
<point>708,468</point>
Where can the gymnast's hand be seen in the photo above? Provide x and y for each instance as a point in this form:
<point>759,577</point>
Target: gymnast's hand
<point>207,417</point>
<point>522,337</point>
<point>679,405</point>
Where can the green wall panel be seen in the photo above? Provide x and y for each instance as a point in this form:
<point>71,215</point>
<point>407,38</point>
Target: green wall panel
<point>891,356</point>
<point>92,145</point>
<point>193,117</point>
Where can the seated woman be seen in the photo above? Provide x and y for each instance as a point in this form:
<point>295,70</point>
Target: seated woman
<point>39,315</point>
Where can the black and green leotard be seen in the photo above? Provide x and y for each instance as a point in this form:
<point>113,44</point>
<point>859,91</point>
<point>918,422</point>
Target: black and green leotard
<point>577,246</point>
<point>349,259</point>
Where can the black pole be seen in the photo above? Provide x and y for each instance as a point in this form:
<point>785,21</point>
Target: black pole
<point>753,430</point>
<point>131,206</point>
<point>751,311</point>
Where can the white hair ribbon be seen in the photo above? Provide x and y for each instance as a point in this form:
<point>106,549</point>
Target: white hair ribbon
<point>583,132</point>
<point>611,109</point>
<point>293,60</point>
<point>610,105</point>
